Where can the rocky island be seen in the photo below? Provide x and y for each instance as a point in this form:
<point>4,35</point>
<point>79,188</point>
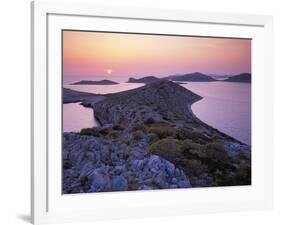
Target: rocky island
<point>193,77</point>
<point>145,80</point>
<point>71,96</point>
<point>92,82</point>
<point>149,138</point>
<point>243,77</point>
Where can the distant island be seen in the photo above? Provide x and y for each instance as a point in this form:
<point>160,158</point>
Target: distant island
<point>71,96</point>
<point>219,77</point>
<point>194,77</point>
<point>242,77</point>
<point>92,82</point>
<point>180,82</point>
<point>146,80</point>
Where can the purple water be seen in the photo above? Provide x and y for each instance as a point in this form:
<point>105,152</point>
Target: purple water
<point>76,117</point>
<point>225,106</point>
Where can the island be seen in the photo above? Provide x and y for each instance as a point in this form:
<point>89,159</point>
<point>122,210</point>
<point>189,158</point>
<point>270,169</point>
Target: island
<point>148,139</point>
<point>145,80</point>
<point>92,82</point>
<point>242,77</point>
<point>180,82</point>
<point>71,96</point>
<point>193,77</point>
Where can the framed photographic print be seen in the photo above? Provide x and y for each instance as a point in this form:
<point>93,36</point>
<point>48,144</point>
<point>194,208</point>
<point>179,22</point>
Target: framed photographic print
<point>148,112</point>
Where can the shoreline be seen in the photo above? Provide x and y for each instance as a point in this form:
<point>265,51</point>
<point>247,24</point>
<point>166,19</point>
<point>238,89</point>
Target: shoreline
<point>89,102</point>
<point>149,139</point>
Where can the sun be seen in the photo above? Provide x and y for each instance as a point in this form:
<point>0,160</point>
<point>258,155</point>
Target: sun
<point>108,71</point>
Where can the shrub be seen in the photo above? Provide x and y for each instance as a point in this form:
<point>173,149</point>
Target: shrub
<point>132,186</point>
<point>84,180</point>
<point>168,148</point>
<point>215,151</point>
<point>243,175</point>
<point>117,127</point>
<point>67,164</point>
<point>162,131</point>
<point>113,134</point>
<point>188,145</point>
<point>198,153</point>
<point>90,131</point>
<point>152,138</point>
<point>137,135</point>
<point>149,121</point>
<point>193,167</point>
<point>215,157</point>
<point>125,141</point>
<point>138,126</point>
<point>104,131</point>
<point>183,133</point>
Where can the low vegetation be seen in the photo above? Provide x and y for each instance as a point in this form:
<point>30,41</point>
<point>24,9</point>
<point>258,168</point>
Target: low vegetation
<point>90,131</point>
<point>195,153</point>
<point>198,155</point>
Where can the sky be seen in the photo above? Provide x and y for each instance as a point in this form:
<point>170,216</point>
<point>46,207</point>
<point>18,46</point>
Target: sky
<point>101,54</point>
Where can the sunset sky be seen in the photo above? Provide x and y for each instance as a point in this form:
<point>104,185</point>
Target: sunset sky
<point>136,55</point>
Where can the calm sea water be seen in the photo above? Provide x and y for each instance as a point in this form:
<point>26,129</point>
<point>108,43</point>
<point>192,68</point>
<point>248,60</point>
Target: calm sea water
<point>225,106</point>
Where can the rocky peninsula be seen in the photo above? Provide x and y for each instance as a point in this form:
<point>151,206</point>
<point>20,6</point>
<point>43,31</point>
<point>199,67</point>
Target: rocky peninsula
<point>93,82</point>
<point>149,138</point>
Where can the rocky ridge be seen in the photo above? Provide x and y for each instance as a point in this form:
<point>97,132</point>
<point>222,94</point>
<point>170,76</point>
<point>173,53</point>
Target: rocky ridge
<point>97,164</point>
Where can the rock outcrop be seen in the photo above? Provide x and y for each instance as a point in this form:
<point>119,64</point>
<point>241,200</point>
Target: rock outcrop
<point>97,164</point>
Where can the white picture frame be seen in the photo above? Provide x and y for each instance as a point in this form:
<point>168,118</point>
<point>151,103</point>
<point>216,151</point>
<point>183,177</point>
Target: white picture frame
<point>47,203</point>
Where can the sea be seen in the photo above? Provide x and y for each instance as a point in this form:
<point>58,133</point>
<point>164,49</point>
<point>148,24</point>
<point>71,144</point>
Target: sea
<point>225,106</point>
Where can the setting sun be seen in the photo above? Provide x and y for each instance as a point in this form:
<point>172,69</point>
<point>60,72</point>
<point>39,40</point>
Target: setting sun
<point>108,71</point>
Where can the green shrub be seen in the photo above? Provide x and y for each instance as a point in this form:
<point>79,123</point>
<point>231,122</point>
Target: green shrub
<point>162,131</point>
<point>90,131</point>
<point>104,131</point>
<point>243,175</point>
<point>149,121</point>
<point>117,127</point>
<point>67,164</point>
<point>188,145</point>
<point>152,138</point>
<point>125,141</point>
<point>215,157</point>
<point>138,126</point>
<point>198,153</point>
<point>137,135</point>
<point>84,180</point>
<point>215,151</point>
<point>193,167</point>
<point>132,186</point>
<point>183,133</point>
<point>113,134</point>
<point>168,148</point>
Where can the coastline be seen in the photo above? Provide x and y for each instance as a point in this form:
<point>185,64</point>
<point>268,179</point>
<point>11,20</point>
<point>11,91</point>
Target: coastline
<point>149,138</point>
<point>92,99</point>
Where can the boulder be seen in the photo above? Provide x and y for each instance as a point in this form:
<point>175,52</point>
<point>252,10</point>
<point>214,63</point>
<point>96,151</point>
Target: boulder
<point>119,183</point>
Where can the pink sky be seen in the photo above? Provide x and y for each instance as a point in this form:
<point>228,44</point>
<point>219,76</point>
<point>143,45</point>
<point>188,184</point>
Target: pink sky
<point>137,55</point>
